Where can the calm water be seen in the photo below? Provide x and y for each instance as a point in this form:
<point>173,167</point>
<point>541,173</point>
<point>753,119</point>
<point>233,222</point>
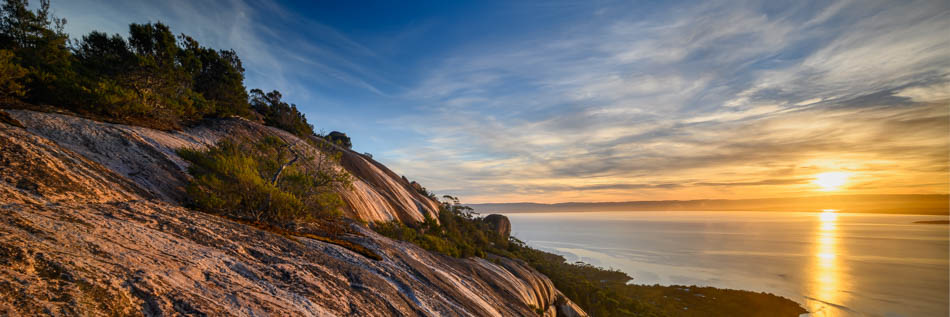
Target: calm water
<point>835,264</point>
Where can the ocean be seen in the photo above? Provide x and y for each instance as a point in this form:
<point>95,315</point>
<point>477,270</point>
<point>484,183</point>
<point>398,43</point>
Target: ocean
<point>834,264</point>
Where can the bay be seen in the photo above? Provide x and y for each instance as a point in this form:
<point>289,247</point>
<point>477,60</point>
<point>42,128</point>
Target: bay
<point>834,264</point>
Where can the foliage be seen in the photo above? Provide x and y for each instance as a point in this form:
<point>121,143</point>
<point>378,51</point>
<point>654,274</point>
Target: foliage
<point>340,138</point>
<point>39,45</point>
<point>422,190</point>
<point>10,74</point>
<point>154,75</point>
<point>458,232</point>
<point>264,181</point>
<point>219,77</point>
<point>151,78</point>
<point>280,114</point>
<point>600,292</point>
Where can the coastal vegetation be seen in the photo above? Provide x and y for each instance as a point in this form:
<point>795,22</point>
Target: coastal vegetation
<point>460,232</point>
<point>339,138</point>
<point>277,113</point>
<point>152,77</point>
<point>157,79</point>
<point>264,181</point>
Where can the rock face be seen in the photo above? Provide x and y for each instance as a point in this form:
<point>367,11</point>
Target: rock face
<point>500,224</point>
<point>147,157</point>
<point>92,225</point>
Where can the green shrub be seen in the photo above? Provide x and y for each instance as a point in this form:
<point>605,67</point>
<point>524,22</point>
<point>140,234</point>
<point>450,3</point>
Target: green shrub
<point>263,181</point>
<point>458,233</point>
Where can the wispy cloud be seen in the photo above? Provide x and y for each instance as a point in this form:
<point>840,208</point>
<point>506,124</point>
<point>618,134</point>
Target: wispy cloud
<point>280,48</point>
<point>612,100</point>
<point>713,98</point>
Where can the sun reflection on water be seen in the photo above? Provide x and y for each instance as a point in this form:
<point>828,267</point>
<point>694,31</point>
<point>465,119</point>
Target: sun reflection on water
<point>825,273</point>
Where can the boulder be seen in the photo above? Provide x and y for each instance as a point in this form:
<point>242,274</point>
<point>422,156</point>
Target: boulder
<point>500,224</point>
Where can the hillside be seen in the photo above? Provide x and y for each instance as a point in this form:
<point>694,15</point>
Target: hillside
<point>94,225</point>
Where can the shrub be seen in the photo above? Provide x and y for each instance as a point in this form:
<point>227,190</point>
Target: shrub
<point>263,181</point>
<point>458,232</point>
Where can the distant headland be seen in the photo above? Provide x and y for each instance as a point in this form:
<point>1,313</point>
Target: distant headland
<point>933,222</point>
<point>894,204</point>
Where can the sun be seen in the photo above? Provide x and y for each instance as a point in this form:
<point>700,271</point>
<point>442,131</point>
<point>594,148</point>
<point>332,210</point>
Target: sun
<point>831,180</point>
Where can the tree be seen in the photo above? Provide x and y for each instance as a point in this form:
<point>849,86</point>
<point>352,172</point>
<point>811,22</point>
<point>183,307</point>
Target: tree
<point>105,65</point>
<point>102,55</point>
<point>280,114</point>
<point>158,76</point>
<point>340,138</point>
<point>153,75</point>
<point>219,78</point>
<point>39,44</point>
<point>151,78</point>
<point>10,74</point>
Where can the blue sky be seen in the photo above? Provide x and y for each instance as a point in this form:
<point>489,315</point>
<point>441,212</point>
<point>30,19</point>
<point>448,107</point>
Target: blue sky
<point>550,101</point>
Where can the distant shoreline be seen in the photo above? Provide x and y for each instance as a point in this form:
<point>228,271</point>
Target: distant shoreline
<point>933,222</point>
<point>685,210</point>
<point>878,204</point>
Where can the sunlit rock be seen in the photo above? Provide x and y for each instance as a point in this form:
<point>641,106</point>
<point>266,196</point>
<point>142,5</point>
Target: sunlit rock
<point>93,225</point>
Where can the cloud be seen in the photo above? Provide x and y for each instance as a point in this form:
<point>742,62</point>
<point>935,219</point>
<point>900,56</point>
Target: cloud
<point>932,93</point>
<point>259,31</point>
<point>613,100</point>
<point>760,183</point>
<point>718,95</point>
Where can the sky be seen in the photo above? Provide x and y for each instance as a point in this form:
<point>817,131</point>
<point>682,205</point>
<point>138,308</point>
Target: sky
<point>557,101</point>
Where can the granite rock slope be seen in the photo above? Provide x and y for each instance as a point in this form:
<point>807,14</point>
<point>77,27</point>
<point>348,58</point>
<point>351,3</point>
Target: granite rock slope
<point>147,157</point>
<point>93,225</point>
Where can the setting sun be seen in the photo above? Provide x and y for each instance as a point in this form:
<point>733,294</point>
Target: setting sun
<point>831,180</point>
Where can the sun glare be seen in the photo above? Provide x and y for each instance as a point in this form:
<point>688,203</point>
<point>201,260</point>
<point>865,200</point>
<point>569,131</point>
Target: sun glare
<point>831,180</point>
<point>828,216</point>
